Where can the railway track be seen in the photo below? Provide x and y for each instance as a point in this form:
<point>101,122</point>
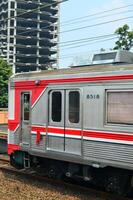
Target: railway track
<point>31,174</point>
<point>4,159</point>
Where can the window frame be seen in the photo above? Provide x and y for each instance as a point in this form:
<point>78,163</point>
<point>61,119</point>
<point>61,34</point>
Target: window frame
<point>50,121</point>
<point>69,107</point>
<point>52,107</point>
<point>22,109</point>
<point>106,108</point>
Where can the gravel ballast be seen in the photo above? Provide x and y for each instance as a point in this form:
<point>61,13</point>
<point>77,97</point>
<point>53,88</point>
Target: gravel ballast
<point>15,187</point>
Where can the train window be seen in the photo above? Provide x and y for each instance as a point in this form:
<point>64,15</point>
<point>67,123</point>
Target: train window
<point>56,106</point>
<point>120,107</point>
<point>26,107</point>
<point>74,106</point>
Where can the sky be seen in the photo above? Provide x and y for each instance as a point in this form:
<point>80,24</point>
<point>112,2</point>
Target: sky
<point>89,15</point>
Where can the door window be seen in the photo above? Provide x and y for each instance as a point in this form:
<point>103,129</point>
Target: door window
<point>74,106</point>
<point>26,106</point>
<point>56,106</point>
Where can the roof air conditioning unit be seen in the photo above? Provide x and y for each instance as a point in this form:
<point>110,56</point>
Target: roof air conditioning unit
<point>117,57</point>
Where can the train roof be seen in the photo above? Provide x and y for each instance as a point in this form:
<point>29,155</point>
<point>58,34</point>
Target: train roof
<point>88,69</point>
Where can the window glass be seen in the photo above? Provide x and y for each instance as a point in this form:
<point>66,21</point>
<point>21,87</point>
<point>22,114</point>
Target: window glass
<point>120,107</point>
<point>26,106</point>
<point>56,106</point>
<point>74,106</point>
<point>12,4</point>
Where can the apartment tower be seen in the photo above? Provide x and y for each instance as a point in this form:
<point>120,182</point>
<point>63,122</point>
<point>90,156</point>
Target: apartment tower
<point>29,34</point>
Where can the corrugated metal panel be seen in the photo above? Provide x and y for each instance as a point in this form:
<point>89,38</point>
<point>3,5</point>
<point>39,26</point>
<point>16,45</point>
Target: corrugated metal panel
<point>108,151</point>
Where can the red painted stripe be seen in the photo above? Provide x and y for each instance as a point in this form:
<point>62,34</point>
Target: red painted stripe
<point>73,132</point>
<point>89,133</point>
<point>58,130</point>
<point>28,86</point>
<point>12,148</point>
<point>93,134</point>
<point>31,84</point>
<point>86,133</point>
<point>12,125</point>
<point>113,136</point>
<point>92,79</point>
<point>40,129</point>
<point>55,130</point>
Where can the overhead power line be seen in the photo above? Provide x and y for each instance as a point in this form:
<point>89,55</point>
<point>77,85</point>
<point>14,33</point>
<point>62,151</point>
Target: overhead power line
<point>74,42</point>
<point>81,53</point>
<point>97,13</point>
<point>98,24</point>
<point>99,17</point>
<point>48,26</point>
<point>89,43</point>
<point>70,41</point>
<point>33,10</point>
<point>105,11</point>
<point>83,27</point>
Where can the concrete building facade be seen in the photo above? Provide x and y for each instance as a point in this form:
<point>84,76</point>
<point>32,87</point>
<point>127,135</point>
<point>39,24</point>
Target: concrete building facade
<point>29,34</point>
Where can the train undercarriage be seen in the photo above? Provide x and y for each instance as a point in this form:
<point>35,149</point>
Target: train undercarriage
<point>110,179</point>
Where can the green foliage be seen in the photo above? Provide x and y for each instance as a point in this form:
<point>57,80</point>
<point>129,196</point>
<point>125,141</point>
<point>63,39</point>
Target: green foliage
<point>5,73</point>
<point>125,41</point>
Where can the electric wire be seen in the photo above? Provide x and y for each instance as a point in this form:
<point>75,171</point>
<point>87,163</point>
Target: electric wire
<point>78,18</point>
<point>97,13</point>
<point>99,17</point>
<point>98,24</point>
<point>69,41</point>
<point>33,10</point>
<point>72,42</point>
<point>82,40</point>
<point>48,26</point>
<point>89,43</point>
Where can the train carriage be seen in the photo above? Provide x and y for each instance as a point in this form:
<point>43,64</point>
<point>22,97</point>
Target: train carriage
<point>76,121</point>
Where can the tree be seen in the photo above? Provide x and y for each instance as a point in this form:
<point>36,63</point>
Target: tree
<point>5,73</point>
<point>125,41</point>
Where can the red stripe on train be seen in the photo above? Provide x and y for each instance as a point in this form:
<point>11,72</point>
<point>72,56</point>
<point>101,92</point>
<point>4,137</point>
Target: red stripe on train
<point>112,136</point>
<point>12,125</point>
<point>92,134</point>
<point>12,148</point>
<point>73,132</point>
<point>85,133</point>
<point>30,84</point>
<point>55,130</point>
<point>40,129</point>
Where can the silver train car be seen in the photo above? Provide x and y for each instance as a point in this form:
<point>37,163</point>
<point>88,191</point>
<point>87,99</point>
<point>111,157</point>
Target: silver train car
<point>74,122</point>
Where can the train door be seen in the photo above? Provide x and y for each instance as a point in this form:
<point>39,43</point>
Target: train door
<point>25,118</point>
<point>73,124</point>
<point>64,126</point>
<point>55,137</point>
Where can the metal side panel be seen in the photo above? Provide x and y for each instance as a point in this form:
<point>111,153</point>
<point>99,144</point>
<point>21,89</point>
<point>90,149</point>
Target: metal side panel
<point>73,146</point>
<point>41,146</point>
<point>55,143</point>
<point>14,137</point>
<point>108,151</point>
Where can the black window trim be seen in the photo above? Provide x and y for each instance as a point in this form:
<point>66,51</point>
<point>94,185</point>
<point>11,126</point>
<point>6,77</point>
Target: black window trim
<point>22,94</point>
<point>79,121</point>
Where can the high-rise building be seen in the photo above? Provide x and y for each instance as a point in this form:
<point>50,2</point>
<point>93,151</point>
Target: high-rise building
<point>29,33</point>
